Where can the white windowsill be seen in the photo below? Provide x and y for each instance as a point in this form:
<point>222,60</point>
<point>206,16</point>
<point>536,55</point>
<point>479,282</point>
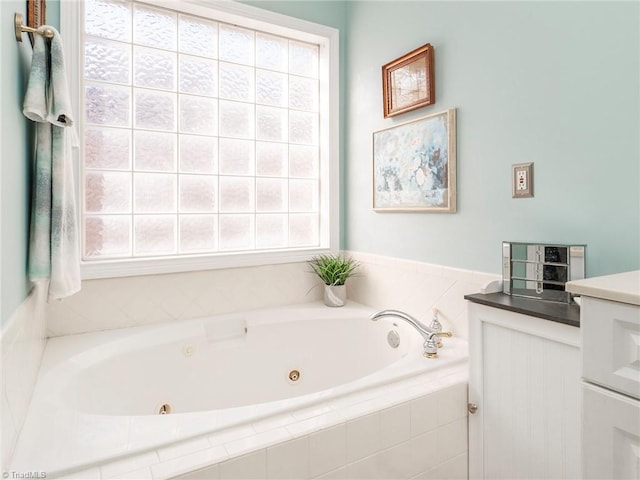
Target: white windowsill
<point>163,265</point>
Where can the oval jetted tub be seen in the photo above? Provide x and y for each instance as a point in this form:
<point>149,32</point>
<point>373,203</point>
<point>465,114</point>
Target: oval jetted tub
<point>107,395</point>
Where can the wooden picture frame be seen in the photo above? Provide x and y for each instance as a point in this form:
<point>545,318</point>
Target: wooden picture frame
<point>409,82</point>
<point>36,14</point>
<point>414,165</point>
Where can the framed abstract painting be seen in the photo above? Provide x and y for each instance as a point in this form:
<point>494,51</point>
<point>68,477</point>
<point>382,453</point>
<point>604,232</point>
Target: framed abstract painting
<point>414,165</point>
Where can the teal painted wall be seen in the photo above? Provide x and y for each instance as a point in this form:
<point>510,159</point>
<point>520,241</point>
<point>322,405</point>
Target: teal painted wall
<point>554,83</point>
<point>16,134</point>
<point>15,160</point>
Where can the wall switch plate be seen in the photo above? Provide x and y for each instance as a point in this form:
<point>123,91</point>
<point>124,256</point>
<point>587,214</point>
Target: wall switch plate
<point>522,180</point>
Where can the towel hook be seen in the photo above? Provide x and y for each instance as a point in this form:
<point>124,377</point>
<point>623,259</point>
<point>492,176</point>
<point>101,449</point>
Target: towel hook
<point>21,28</point>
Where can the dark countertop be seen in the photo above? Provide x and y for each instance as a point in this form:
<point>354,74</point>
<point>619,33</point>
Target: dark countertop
<point>568,314</point>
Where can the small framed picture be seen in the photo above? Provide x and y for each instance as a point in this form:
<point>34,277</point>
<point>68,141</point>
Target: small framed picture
<point>408,82</point>
<point>522,179</point>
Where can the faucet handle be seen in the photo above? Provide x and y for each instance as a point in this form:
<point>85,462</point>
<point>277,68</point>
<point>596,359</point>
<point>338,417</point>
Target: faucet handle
<point>435,323</point>
<point>430,348</point>
<point>436,326</point>
<point>442,334</point>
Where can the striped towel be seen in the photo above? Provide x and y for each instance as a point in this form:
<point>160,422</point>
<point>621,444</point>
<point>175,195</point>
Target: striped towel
<point>53,245</point>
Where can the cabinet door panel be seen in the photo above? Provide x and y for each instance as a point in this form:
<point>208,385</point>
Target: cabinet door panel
<point>531,415</point>
<point>525,379</point>
<point>611,434</point>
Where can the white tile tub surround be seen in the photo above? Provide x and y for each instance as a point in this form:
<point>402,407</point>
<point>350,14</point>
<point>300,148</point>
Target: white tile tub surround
<point>22,345</point>
<point>411,429</point>
<point>397,442</point>
<point>98,414</point>
<point>417,288</point>
<point>384,282</point>
<point>106,304</point>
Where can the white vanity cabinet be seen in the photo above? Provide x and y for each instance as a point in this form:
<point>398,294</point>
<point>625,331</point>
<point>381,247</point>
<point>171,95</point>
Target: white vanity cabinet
<point>524,379</point>
<point>610,324</point>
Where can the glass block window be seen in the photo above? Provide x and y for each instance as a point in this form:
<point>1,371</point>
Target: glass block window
<point>199,136</point>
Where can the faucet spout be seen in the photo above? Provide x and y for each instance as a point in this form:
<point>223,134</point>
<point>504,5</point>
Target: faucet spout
<point>425,331</point>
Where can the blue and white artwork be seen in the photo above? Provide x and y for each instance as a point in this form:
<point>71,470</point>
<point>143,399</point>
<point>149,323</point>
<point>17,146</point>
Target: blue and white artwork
<point>414,165</point>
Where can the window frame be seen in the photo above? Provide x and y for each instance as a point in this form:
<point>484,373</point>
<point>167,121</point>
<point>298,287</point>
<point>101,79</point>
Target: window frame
<point>71,24</point>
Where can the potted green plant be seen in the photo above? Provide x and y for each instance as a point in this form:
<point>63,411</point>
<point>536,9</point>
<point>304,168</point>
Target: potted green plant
<point>334,270</point>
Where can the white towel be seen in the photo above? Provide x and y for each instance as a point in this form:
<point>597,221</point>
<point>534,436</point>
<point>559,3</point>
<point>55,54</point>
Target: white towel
<point>54,247</point>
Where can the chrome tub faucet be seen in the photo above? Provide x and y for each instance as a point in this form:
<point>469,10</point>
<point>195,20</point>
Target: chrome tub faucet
<point>430,335</point>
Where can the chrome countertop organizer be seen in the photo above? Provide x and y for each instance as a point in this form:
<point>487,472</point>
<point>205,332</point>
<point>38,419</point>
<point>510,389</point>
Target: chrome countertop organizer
<point>541,270</point>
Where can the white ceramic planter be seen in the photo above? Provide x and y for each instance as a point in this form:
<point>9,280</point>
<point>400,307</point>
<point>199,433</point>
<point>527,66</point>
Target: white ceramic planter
<point>335,295</point>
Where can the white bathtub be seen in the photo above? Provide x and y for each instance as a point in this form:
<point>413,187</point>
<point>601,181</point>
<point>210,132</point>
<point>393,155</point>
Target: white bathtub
<point>98,395</point>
